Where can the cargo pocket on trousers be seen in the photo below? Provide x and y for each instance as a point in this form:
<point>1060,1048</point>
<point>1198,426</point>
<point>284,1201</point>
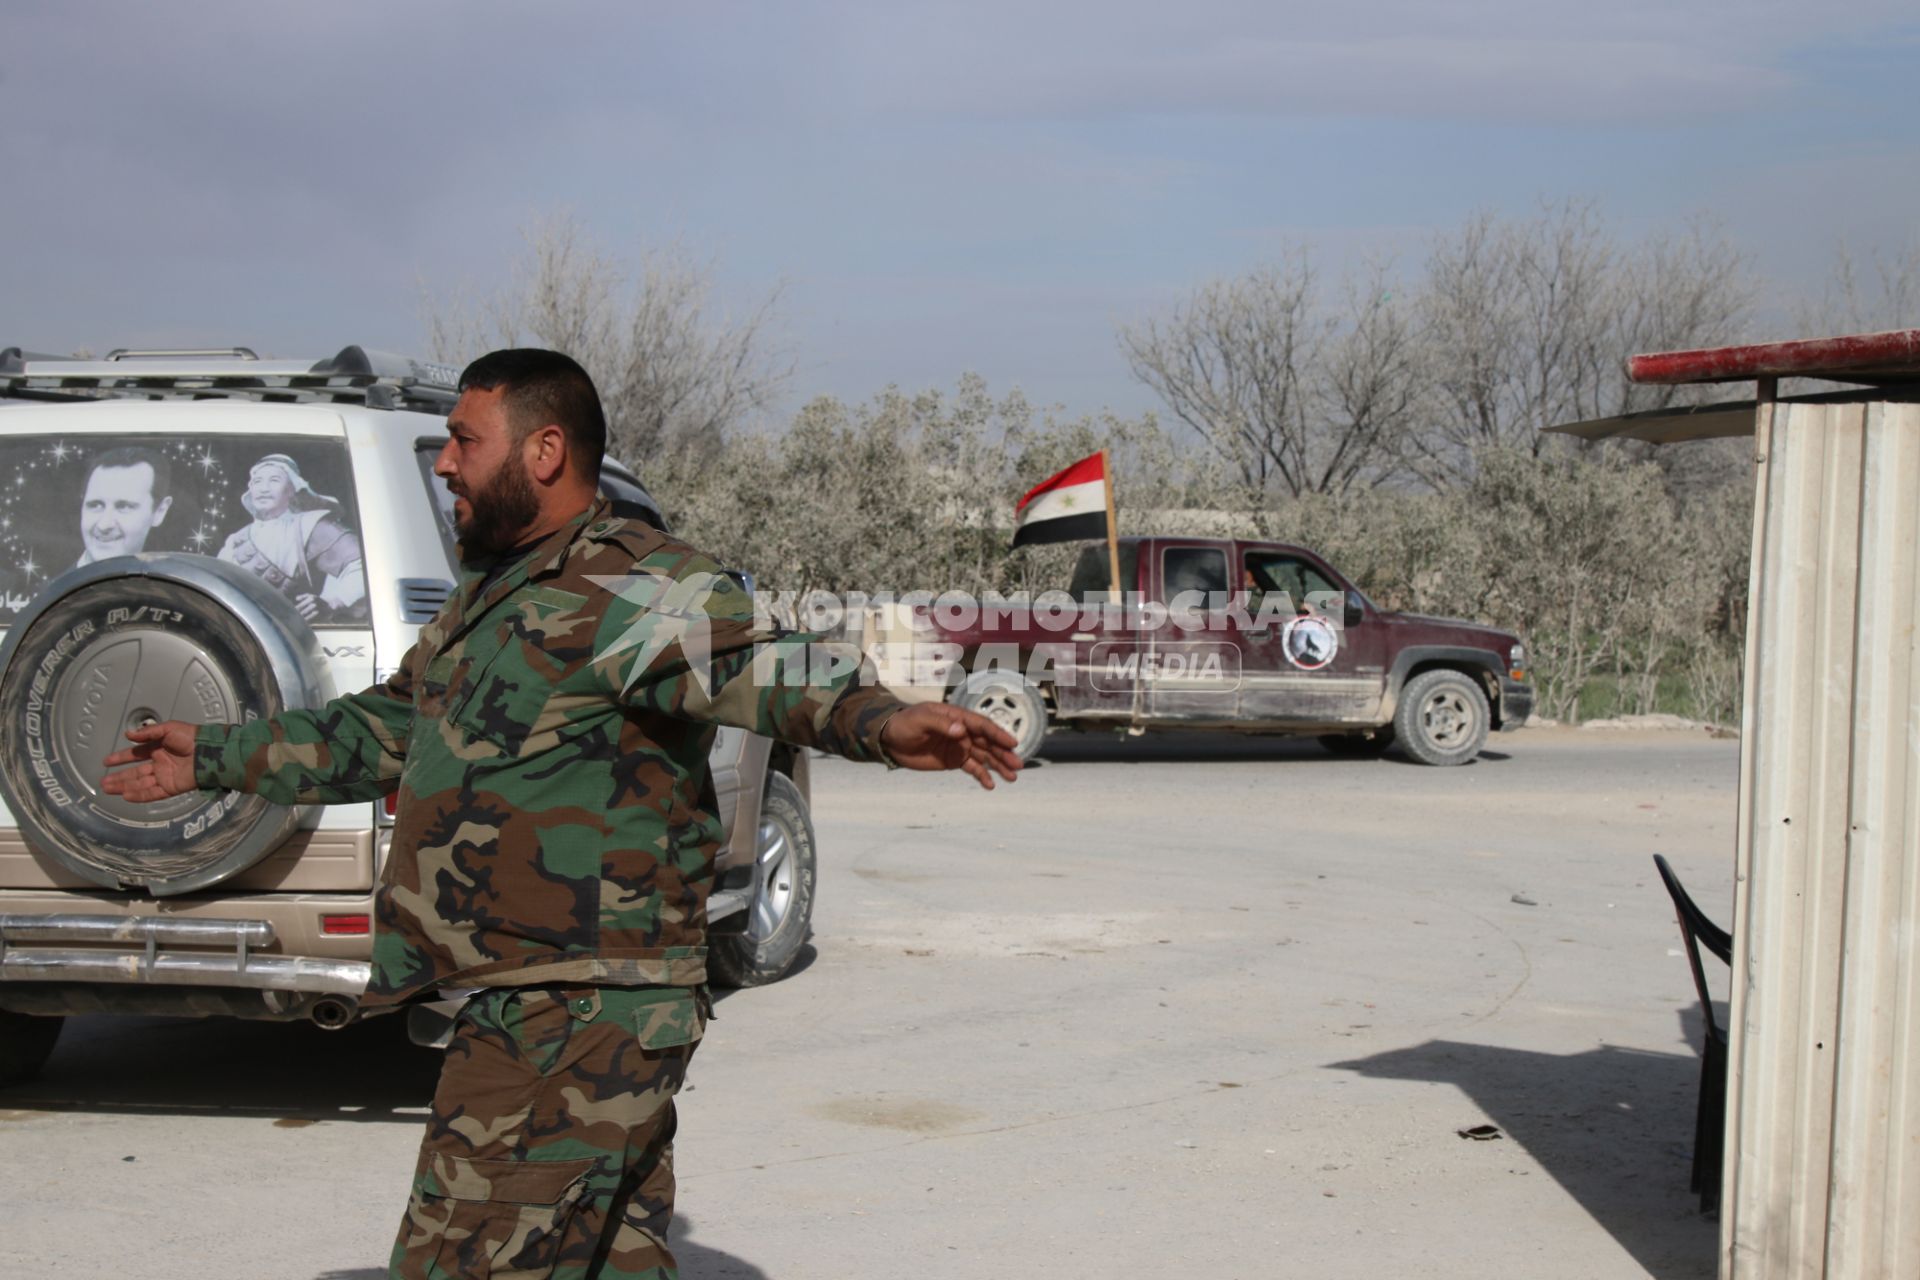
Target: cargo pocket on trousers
<point>666,1018</point>
<point>505,1218</point>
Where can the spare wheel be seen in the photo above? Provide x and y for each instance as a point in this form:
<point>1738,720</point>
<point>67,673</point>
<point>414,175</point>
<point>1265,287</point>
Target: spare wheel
<point>132,641</point>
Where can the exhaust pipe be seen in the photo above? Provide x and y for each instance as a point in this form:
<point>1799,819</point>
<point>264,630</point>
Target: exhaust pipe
<point>330,1013</point>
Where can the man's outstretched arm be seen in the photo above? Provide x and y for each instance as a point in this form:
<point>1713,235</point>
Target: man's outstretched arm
<point>691,650</point>
<point>934,735</point>
<point>353,748</point>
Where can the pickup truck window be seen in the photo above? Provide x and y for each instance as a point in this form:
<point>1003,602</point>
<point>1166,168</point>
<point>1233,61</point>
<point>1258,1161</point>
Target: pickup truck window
<point>1089,581</point>
<point>1202,569</point>
<point>1269,571</point>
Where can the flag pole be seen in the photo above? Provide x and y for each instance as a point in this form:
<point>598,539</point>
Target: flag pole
<point>1113,533</point>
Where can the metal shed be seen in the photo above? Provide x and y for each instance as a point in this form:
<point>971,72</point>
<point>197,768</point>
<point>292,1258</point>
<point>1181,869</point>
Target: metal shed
<point>1822,1172</point>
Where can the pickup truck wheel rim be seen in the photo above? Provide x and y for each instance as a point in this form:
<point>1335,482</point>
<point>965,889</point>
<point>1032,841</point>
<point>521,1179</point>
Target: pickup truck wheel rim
<point>773,866</point>
<point>1448,719</point>
<point>1005,710</point>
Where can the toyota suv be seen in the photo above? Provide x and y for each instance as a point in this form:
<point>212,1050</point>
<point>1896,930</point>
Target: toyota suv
<point>214,537</point>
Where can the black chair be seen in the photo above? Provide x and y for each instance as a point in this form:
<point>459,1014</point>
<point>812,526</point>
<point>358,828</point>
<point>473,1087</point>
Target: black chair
<point>1710,1121</point>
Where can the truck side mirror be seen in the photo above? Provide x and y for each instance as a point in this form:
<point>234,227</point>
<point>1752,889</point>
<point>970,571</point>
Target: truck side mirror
<point>1356,612</point>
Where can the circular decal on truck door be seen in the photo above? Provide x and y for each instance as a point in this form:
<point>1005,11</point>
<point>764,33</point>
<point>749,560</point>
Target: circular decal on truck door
<point>1309,642</point>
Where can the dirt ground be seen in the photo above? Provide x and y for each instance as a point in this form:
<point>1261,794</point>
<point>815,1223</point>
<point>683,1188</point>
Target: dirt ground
<point>1187,1006</point>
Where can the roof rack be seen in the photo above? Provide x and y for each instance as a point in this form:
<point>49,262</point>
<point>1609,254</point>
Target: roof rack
<point>355,376</point>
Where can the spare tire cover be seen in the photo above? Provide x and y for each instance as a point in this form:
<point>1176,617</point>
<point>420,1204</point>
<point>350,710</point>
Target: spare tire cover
<point>130,641</point>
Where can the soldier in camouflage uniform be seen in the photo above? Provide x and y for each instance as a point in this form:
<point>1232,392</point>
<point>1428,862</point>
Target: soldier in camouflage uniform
<point>556,830</point>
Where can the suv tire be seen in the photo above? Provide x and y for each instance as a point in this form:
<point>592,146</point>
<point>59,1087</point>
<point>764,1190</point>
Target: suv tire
<point>25,1041</point>
<point>133,641</point>
<point>1442,717</point>
<point>1011,701</point>
<point>780,913</point>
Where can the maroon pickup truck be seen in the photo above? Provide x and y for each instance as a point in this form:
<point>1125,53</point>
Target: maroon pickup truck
<point>1244,637</point>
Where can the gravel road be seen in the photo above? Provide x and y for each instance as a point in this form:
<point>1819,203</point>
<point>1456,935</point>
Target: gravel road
<point>1184,1006</point>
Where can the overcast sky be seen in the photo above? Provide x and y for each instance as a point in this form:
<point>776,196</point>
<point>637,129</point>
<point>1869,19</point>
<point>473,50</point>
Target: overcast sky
<point>982,186</point>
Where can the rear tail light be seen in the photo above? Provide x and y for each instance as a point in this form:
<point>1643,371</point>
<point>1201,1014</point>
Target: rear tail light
<point>346,926</point>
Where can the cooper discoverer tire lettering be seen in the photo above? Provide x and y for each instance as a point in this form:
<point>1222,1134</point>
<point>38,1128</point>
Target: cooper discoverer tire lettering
<point>111,652</point>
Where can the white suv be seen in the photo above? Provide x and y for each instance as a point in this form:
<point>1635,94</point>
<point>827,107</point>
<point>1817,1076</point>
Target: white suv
<point>209,536</point>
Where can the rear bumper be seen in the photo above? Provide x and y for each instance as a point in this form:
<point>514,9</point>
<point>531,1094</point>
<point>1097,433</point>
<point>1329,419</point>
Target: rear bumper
<point>157,951</point>
<point>1516,703</point>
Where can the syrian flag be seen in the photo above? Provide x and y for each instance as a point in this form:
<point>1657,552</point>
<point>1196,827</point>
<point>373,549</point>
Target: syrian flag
<point>1068,508</point>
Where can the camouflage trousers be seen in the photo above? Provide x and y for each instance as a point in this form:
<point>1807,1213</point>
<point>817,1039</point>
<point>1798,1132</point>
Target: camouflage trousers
<point>549,1152</point>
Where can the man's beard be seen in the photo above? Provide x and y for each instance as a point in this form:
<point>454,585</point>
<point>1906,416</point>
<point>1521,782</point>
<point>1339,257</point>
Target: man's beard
<point>500,513</point>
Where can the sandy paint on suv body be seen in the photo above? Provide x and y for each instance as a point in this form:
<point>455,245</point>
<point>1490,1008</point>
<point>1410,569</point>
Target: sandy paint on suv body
<point>328,869</point>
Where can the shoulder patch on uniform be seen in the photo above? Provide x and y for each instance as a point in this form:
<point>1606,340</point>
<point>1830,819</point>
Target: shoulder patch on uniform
<point>635,536</point>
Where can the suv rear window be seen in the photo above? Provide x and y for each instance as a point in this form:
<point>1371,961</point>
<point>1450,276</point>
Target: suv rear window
<point>280,507</point>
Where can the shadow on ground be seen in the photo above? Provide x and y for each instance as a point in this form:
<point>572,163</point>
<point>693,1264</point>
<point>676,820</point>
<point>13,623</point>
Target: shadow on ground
<point>697,1261</point>
<point>802,961</point>
<point>1613,1126</point>
<point>292,1072</point>
<point>289,1071</point>
<point>1164,747</point>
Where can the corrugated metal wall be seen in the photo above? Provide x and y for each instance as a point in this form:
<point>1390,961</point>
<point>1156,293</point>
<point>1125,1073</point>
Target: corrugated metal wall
<point>1823,1149</point>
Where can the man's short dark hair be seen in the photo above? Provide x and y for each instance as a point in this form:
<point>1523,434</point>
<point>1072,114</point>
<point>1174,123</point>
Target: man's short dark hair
<point>132,455</point>
<point>544,387</point>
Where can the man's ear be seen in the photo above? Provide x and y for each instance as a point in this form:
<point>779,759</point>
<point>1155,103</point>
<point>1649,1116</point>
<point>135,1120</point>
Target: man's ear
<point>161,508</point>
<point>547,454</point>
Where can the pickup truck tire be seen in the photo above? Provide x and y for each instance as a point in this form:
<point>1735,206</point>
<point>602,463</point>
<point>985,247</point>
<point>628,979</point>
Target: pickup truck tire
<point>1442,717</point>
<point>1371,742</point>
<point>780,913</point>
<point>26,1040</point>
<point>134,641</point>
<point>1010,701</point>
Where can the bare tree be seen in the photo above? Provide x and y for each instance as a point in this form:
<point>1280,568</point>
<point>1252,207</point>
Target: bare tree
<point>1527,324</point>
<point>1471,329</point>
<point>1296,396</point>
<point>1882,294</point>
<point>1231,363</point>
<point>673,375</point>
<point>1368,384</point>
<point>1693,289</point>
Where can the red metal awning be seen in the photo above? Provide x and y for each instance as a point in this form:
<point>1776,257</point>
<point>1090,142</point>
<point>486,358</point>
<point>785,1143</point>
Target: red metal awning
<point>1872,358</point>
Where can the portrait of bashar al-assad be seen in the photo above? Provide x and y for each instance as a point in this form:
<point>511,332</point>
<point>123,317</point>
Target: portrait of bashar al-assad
<point>128,494</point>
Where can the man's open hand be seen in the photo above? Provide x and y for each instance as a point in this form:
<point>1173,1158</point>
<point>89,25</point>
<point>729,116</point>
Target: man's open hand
<point>162,760</point>
<point>933,735</point>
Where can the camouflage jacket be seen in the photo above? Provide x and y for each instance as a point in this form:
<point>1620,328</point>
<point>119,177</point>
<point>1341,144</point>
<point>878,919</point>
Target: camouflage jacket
<point>548,736</point>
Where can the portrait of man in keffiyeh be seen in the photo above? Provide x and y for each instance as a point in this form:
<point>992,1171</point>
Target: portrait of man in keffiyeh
<point>299,543</point>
